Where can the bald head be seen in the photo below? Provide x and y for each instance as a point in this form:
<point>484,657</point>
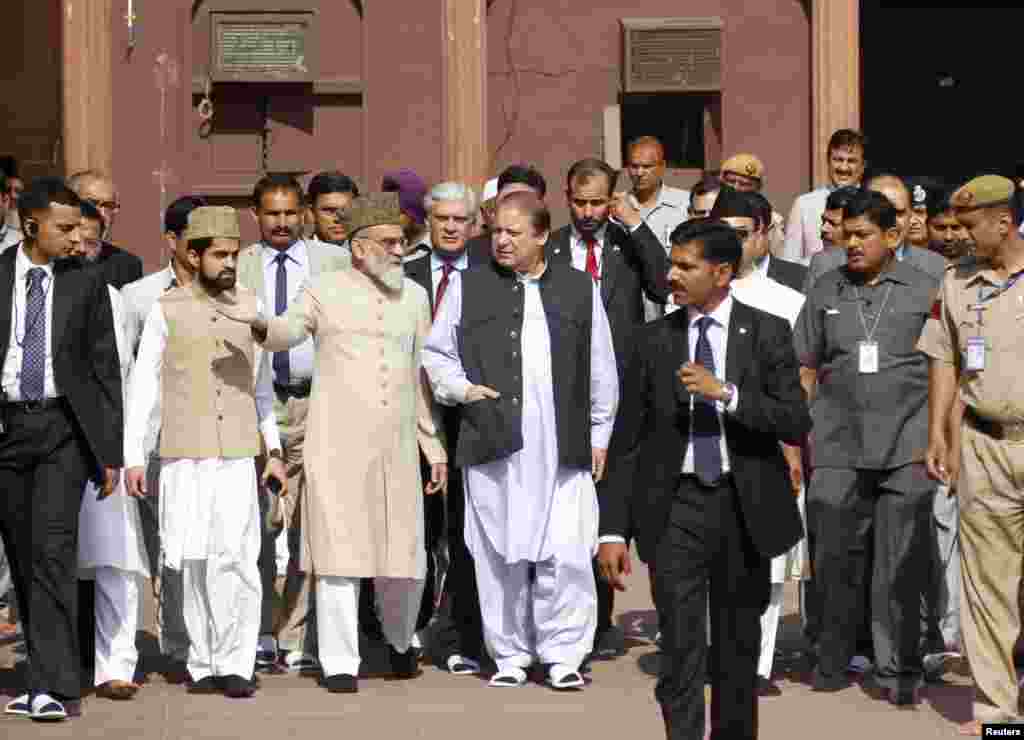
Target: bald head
<point>646,165</point>
<point>895,190</point>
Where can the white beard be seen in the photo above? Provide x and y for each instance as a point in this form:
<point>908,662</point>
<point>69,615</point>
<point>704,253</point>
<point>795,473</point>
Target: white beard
<point>392,279</point>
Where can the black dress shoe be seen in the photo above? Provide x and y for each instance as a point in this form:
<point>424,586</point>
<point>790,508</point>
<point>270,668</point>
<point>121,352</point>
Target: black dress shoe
<point>829,683</point>
<point>903,696</point>
<point>767,687</point>
<point>236,687</point>
<point>403,665</point>
<point>341,683</point>
<point>206,685</point>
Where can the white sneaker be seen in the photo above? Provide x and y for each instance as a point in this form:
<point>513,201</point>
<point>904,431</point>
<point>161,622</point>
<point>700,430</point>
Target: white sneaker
<point>47,709</point>
<point>460,665</point>
<point>859,664</point>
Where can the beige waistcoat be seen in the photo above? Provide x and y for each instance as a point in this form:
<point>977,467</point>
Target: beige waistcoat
<point>208,406</point>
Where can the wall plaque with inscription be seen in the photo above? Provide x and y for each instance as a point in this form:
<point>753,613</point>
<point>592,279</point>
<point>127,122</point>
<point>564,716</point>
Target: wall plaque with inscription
<point>262,47</point>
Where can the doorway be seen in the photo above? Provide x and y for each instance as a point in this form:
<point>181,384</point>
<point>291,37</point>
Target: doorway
<point>933,79</point>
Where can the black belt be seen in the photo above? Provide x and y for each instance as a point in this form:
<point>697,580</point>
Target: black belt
<point>994,429</point>
<point>299,390</point>
<point>31,407</point>
<point>725,479</point>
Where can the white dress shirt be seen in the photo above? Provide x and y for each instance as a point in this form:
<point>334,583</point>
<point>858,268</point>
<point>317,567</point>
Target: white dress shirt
<point>437,272</point>
<point>803,230</point>
<point>12,363</point>
<point>718,336</point>
<point>9,236</point>
<point>144,391</point>
<point>301,357</point>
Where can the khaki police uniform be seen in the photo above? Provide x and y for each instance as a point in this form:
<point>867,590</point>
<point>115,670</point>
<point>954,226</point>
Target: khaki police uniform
<point>975,305</point>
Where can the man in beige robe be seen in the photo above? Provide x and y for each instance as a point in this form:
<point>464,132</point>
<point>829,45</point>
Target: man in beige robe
<point>370,405</point>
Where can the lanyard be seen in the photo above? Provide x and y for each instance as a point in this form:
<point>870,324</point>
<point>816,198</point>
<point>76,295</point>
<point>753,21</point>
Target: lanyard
<point>983,299</point>
<point>869,335</point>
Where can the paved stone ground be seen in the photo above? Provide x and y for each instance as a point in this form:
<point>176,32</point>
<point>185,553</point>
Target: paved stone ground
<point>618,703</point>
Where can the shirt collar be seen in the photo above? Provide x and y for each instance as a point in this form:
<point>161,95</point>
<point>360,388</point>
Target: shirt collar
<point>720,315</point>
<point>437,264</point>
<point>901,251</point>
<point>577,238</point>
<point>22,264</point>
<point>761,266</point>
<point>296,253</point>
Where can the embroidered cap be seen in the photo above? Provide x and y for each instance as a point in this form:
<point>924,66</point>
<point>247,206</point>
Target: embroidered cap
<point>212,222</point>
<point>373,209</point>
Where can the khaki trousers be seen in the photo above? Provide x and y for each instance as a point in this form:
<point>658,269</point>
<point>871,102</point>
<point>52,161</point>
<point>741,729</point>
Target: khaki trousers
<point>991,491</point>
<point>295,621</point>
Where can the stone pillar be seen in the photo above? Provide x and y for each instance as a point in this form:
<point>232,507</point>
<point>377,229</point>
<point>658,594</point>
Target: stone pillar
<point>835,75</point>
<point>466,156</point>
<point>88,85</point>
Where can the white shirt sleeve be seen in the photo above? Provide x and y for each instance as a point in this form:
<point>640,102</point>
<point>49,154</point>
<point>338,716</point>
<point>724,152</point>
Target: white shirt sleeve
<point>264,393</point>
<point>144,387</point>
<point>793,247</point>
<point>604,376</point>
<point>441,356</point>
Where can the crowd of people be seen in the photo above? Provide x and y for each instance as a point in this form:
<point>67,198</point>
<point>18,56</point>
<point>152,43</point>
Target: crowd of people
<point>415,408</point>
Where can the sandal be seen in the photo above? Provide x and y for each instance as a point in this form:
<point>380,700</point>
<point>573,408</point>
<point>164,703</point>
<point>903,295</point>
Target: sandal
<point>510,678</point>
<point>562,678</point>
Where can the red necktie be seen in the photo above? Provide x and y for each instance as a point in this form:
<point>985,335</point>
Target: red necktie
<point>592,258</point>
<point>446,270</point>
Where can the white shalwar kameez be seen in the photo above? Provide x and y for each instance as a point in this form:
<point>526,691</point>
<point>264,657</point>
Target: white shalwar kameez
<point>527,511</point>
<point>209,520</point>
<point>771,296</point>
<point>111,552</point>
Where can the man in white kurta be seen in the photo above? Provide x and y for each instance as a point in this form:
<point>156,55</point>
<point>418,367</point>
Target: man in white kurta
<point>111,552</point>
<point>212,417</point>
<point>531,522</point>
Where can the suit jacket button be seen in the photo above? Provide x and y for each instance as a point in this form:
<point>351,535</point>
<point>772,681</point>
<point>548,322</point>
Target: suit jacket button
<point>515,400</point>
<point>513,334</point>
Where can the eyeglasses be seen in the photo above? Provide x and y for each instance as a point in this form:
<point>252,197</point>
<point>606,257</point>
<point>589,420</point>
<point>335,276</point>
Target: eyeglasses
<point>104,205</point>
<point>386,243</point>
<point>338,214</point>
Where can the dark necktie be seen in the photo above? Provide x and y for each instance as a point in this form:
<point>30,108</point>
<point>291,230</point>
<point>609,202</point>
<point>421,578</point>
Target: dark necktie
<point>592,267</point>
<point>442,286</point>
<point>33,346</point>
<point>707,432</point>
<point>282,366</point>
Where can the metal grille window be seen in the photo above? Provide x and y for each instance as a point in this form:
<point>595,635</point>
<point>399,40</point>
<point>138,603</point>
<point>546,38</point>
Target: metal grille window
<point>263,47</point>
<point>672,55</point>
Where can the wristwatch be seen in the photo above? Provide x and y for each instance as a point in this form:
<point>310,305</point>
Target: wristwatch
<point>276,454</point>
<point>730,393</point>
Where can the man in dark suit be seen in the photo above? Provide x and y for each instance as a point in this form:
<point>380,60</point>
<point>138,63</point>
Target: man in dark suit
<point>628,262</point>
<point>791,274</point>
<point>450,209</point>
<point>117,266</point>
<point>62,418</point>
<point>700,480</point>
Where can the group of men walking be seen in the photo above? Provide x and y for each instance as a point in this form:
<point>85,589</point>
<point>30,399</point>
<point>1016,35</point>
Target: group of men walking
<point>441,402</point>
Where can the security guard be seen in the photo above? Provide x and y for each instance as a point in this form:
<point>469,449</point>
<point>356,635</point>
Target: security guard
<point>869,492</point>
<point>977,349</point>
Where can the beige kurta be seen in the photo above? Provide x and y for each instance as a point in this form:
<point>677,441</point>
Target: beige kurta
<point>370,406</point>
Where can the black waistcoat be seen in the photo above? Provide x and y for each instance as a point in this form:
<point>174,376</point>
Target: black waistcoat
<point>490,341</point>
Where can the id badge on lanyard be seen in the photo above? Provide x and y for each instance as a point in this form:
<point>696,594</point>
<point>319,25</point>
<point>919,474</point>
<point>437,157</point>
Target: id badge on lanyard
<point>975,354</point>
<point>867,357</point>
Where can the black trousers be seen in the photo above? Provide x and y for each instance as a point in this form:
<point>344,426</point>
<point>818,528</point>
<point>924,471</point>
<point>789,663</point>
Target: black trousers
<point>461,630</point>
<point>706,554</point>
<point>43,469</point>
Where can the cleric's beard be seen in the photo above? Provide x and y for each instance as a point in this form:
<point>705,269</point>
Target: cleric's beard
<point>391,278</point>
